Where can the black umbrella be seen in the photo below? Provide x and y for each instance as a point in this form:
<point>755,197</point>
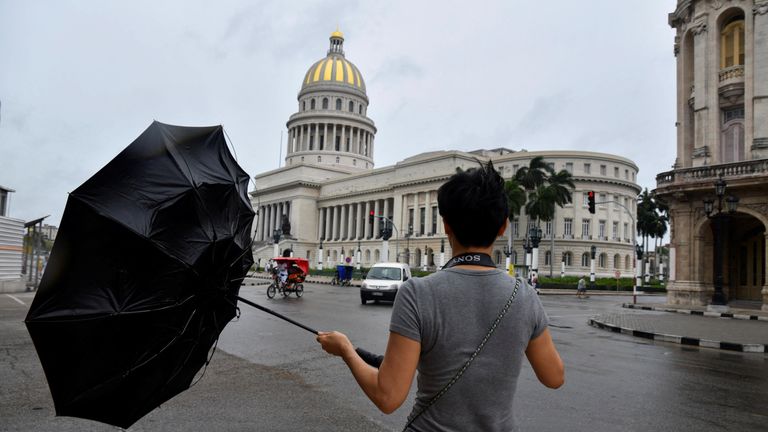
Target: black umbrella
<point>144,274</point>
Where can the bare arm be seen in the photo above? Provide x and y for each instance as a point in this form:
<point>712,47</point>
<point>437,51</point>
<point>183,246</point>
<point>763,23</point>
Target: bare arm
<point>545,360</point>
<point>387,387</point>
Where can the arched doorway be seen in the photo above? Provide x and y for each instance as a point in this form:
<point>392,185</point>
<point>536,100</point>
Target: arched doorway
<point>743,254</point>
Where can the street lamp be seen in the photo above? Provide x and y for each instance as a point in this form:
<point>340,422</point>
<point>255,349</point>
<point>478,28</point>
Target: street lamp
<point>720,217</point>
<point>639,271</point>
<point>320,256</point>
<point>357,258</point>
<point>592,253</point>
<point>442,252</point>
<point>508,253</point>
<point>535,235</point>
<point>276,238</point>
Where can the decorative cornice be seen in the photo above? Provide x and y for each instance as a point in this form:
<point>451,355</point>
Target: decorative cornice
<point>760,7</point>
<point>760,208</point>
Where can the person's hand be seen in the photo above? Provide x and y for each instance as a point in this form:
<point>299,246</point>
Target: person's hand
<point>335,343</point>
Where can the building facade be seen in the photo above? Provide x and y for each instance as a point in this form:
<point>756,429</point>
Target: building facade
<point>11,246</point>
<point>721,48</point>
<point>328,188</point>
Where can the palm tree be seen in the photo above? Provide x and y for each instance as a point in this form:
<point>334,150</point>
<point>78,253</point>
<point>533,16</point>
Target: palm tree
<point>535,174</point>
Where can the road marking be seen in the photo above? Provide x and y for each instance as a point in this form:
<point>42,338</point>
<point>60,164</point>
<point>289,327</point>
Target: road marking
<point>574,315</point>
<point>17,300</point>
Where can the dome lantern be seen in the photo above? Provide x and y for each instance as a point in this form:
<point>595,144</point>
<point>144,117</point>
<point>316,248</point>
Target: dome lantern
<point>337,43</point>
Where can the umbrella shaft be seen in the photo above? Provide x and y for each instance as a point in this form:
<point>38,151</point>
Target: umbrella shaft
<point>270,311</point>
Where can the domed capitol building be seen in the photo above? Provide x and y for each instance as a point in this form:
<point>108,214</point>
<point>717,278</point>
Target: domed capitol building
<point>323,197</point>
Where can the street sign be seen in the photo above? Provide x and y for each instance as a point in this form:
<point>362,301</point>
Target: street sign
<point>617,274</point>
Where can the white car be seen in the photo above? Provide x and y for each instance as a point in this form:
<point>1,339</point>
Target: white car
<point>383,280</point>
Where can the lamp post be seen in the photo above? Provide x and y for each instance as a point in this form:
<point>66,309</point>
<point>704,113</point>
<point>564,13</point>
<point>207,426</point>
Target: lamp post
<point>721,218</point>
<point>407,245</point>
<point>357,257</point>
<point>276,234</point>
<point>341,258</point>
<point>424,259</point>
<point>442,252</point>
<point>592,253</point>
<point>535,235</point>
<point>508,253</point>
<point>527,247</point>
<point>639,280</point>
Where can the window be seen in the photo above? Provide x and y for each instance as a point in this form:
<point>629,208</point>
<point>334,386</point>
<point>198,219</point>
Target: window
<point>325,103</point>
<point>567,227</point>
<point>551,165</point>
<point>602,198</point>
<point>585,202</point>
<point>515,168</point>
<point>616,172</point>
<point>732,44</point>
<point>312,104</point>
<point>422,220</point>
<point>434,220</point>
<point>497,254</point>
<point>338,143</point>
<point>585,228</point>
<point>733,114</point>
<point>587,168</point>
<point>616,202</point>
<point>569,167</point>
<point>567,258</point>
<point>548,229</point>
<point>337,159</point>
<point>319,158</point>
<point>338,104</point>
<point>617,261</point>
<point>626,230</point>
<point>615,230</point>
<point>603,170</point>
<point>601,229</point>
<point>515,228</point>
<point>304,105</point>
<point>410,221</point>
<point>601,261</point>
<point>3,202</point>
<point>354,162</point>
<point>626,174</point>
<point>585,259</point>
<point>627,263</point>
<point>360,109</point>
<point>351,106</point>
<point>547,257</point>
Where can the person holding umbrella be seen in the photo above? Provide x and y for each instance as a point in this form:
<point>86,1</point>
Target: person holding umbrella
<point>465,328</point>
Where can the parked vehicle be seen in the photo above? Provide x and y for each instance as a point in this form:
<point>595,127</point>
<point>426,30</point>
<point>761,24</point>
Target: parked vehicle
<point>383,281</point>
<point>292,281</point>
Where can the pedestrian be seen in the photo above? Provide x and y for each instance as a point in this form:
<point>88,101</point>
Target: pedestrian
<point>581,289</point>
<point>535,282</point>
<point>453,325</point>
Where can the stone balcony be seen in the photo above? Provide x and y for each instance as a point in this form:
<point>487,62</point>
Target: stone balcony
<point>691,178</point>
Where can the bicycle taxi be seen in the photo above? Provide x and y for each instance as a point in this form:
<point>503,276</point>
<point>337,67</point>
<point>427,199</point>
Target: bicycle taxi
<point>288,274</point>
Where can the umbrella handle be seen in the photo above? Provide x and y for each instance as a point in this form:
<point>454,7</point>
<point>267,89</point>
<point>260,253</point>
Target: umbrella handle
<point>281,316</point>
<point>368,357</point>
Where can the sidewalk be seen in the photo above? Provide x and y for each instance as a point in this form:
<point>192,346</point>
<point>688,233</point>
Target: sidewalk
<point>739,329</point>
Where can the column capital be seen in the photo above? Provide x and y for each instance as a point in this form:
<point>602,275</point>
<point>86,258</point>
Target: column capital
<point>760,7</point>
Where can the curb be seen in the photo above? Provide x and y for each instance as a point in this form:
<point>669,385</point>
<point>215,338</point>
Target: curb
<point>682,340</point>
<point>697,312</point>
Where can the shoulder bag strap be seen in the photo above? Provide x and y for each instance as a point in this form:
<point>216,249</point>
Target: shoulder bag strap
<point>471,358</point>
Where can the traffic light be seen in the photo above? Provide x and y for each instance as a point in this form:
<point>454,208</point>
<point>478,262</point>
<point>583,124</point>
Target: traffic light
<point>591,201</point>
<point>370,217</point>
<point>386,234</point>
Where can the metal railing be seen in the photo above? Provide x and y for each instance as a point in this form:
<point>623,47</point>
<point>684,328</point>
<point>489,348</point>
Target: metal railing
<point>746,168</point>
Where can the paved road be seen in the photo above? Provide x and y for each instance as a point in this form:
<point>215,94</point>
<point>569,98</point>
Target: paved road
<point>269,375</point>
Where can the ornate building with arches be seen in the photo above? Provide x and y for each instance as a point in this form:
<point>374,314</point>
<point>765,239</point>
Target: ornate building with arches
<point>722,133</point>
<point>329,187</point>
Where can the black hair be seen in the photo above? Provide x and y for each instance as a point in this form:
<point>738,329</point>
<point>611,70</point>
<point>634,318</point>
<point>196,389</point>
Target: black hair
<point>474,205</point>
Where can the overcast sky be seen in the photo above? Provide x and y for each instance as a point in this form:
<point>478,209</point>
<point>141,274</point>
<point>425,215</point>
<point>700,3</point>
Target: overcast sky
<point>79,80</point>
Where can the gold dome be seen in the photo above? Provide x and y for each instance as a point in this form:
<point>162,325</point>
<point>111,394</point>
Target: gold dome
<point>334,68</point>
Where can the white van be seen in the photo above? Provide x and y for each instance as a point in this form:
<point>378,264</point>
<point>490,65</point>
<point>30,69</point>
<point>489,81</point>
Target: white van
<point>383,280</point>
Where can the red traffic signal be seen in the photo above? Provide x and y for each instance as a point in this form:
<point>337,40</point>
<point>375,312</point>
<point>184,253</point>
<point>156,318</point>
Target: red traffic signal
<point>370,217</point>
<point>591,201</point>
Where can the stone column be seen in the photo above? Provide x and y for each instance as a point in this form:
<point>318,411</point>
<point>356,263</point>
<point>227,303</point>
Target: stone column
<point>320,224</point>
<point>350,222</point>
<point>428,211</point>
<point>360,221</point>
<point>335,223</point>
<point>760,80</point>
<point>377,212</point>
<point>701,91</point>
<point>325,136</point>
<point>343,222</point>
<point>300,133</point>
<point>343,137</point>
<point>365,219</point>
<point>386,208</point>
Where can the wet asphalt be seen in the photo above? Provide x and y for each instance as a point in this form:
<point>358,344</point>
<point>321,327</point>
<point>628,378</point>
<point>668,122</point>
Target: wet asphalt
<point>269,375</point>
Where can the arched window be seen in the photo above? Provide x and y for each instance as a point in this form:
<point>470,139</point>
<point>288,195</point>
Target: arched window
<point>337,159</point>
<point>325,103</point>
<point>319,158</point>
<point>585,259</point>
<point>368,255</point>
<point>304,105</point>
<point>351,106</point>
<point>377,255</point>
<point>338,104</point>
<point>548,258</point>
<point>360,108</point>
<point>617,261</point>
<point>732,43</point>
<point>602,260</point>
<point>497,254</point>
<point>312,104</point>
<point>568,258</point>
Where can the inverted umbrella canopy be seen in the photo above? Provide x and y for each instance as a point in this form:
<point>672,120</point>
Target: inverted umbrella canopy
<point>144,274</point>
